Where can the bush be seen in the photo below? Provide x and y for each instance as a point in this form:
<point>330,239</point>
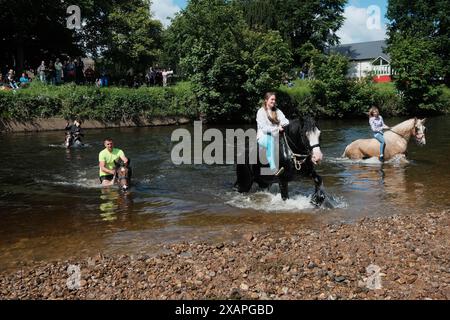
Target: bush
<point>108,105</point>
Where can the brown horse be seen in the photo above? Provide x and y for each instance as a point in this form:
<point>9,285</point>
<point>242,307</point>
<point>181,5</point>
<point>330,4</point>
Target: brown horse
<point>396,138</point>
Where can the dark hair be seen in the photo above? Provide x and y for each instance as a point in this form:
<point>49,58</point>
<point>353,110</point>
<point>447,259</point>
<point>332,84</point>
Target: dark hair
<point>108,139</point>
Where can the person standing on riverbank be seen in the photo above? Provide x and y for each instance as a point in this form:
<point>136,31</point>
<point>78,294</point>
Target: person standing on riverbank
<point>41,70</point>
<point>106,159</point>
<point>377,125</point>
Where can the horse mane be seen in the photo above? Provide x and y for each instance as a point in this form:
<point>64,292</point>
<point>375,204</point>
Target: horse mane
<point>405,126</point>
<point>301,127</point>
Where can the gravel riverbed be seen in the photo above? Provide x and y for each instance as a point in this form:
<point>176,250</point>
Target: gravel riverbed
<point>397,257</point>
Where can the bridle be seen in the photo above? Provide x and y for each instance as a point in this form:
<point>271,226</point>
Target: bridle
<point>417,136</point>
<point>298,159</point>
<point>124,177</point>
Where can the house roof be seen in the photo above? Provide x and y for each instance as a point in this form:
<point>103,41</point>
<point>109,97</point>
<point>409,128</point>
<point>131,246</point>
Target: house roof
<point>363,50</point>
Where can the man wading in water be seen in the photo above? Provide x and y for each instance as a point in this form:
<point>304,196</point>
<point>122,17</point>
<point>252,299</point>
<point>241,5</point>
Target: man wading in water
<point>106,159</point>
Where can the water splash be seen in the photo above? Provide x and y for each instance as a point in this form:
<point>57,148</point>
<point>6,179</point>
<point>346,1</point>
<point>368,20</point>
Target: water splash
<point>269,202</point>
<point>77,182</point>
<point>396,160</point>
<point>62,145</point>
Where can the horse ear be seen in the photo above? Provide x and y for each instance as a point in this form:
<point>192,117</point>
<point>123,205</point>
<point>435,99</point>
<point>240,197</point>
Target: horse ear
<point>423,120</point>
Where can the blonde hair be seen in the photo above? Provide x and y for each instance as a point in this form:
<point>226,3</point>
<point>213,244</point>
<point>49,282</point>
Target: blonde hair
<point>372,110</point>
<point>272,115</point>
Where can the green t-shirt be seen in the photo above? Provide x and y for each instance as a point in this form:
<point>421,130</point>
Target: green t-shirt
<point>109,158</point>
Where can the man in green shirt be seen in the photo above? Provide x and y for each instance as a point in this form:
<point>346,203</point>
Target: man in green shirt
<point>106,159</point>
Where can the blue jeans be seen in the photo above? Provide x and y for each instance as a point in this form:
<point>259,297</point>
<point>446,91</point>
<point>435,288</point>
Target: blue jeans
<point>268,143</point>
<point>380,137</point>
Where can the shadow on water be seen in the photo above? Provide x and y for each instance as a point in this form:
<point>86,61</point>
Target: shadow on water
<point>52,206</point>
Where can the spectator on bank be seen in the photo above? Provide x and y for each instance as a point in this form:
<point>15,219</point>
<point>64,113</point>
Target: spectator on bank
<point>58,71</point>
<point>51,73</point>
<point>79,68</point>
<point>165,75</point>
<point>89,75</point>
<point>24,80</point>
<point>30,74</point>
<point>41,70</point>
<point>71,72</point>
<point>2,82</point>
<point>103,81</point>
<point>151,77</point>
<point>11,79</point>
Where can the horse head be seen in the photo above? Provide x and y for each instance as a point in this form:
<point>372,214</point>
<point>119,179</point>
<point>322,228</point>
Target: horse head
<point>304,138</point>
<point>68,140</point>
<point>419,131</point>
<point>123,174</point>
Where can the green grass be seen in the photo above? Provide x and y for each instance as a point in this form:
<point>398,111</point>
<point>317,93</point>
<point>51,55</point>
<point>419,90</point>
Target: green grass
<point>386,87</point>
<point>301,88</point>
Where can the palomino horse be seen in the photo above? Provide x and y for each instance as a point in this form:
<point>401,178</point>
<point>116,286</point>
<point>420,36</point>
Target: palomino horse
<point>396,138</point>
<point>299,151</point>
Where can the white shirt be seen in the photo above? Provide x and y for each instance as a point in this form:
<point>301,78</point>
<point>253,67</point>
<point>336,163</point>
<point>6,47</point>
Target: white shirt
<point>265,125</point>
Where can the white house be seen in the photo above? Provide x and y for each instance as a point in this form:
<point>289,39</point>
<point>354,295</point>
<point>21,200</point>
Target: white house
<point>366,57</point>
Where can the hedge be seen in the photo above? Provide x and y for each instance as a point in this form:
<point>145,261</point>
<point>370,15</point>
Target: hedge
<point>107,105</point>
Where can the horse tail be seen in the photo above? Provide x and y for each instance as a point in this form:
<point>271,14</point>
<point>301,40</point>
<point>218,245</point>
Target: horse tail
<point>345,151</point>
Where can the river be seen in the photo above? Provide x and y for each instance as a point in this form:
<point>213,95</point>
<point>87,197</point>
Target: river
<point>51,206</point>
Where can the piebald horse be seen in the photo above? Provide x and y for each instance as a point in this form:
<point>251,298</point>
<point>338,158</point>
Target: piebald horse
<point>299,152</point>
<point>396,138</point>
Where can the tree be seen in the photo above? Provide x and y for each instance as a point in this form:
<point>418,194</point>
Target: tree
<point>419,45</point>
<point>416,67</point>
<point>298,22</point>
<point>229,65</point>
<point>122,33</point>
<point>30,30</point>
<point>428,19</point>
<point>331,87</point>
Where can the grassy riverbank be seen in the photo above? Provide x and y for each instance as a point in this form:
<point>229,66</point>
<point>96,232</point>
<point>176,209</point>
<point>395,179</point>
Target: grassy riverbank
<point>107,105</point>
<point>113,106</point>
<point>409,253</point>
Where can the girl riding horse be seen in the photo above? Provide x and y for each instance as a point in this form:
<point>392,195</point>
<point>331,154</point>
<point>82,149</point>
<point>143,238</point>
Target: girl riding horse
<point>377,125</point>
<point>271,121</point>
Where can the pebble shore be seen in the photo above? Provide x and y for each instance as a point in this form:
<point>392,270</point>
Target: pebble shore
<point>397,257</point>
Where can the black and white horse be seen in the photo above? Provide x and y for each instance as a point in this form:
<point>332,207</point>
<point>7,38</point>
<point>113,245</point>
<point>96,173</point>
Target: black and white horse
<point>73,140</point>
<point>299,152</point>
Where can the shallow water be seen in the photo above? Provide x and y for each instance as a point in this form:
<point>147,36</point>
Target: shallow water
<point>51,205</point>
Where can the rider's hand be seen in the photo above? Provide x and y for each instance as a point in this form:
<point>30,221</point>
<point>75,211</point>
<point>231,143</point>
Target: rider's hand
<point>281,128</point>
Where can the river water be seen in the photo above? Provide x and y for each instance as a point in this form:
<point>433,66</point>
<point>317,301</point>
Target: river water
<point>51,205</point>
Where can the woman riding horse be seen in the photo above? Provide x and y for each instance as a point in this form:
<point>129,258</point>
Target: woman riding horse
<point>396,138</point>
<point>299,151</point>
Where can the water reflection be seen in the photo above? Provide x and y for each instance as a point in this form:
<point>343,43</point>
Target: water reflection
<point>387,181</point>
<point>114,203</point>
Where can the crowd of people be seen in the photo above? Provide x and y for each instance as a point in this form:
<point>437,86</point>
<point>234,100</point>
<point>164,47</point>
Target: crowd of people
<point>74,71</point>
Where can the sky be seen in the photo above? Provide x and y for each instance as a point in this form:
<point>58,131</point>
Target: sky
<point>359,26</point>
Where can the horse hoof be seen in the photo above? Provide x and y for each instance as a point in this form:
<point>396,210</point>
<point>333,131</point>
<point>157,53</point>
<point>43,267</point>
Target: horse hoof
<point>318,199</point>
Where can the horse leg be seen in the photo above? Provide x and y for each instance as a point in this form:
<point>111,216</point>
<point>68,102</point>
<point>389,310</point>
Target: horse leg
<point>283,183</point>
<point>244,178</point>
<point>319,195</point>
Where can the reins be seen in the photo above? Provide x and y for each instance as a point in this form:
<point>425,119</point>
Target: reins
<point>295,156</point>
